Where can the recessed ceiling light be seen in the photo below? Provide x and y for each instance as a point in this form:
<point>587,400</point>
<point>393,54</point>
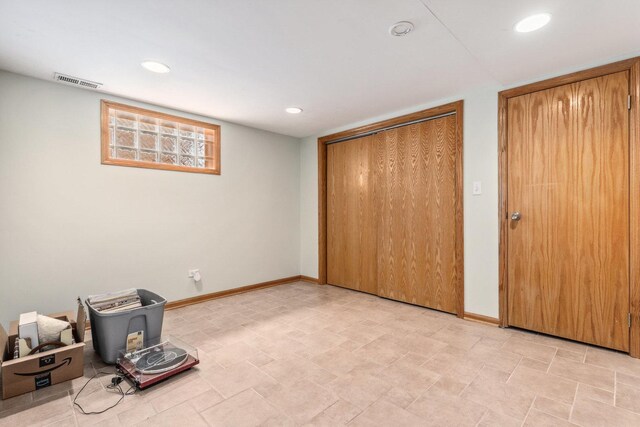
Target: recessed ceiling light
<point>532,23</point>
<point>401,28</point>
<point>293,110</point>
<point>155,66</point>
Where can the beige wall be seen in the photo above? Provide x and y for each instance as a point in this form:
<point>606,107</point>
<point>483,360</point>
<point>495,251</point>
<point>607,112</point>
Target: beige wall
<point>70,226</point>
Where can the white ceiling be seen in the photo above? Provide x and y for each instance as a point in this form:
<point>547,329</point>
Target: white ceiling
<point>246,60</point>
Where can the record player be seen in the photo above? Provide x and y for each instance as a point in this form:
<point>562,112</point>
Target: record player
<point>161,359</point>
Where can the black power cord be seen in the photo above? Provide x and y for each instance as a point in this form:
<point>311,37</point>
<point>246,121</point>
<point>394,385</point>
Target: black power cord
<point>113,387</point>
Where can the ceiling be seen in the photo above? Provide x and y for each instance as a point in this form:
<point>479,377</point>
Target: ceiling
<point>244,61</point>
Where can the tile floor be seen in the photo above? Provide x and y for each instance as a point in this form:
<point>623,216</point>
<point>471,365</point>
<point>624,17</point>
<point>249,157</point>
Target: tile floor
<point>302,354</point>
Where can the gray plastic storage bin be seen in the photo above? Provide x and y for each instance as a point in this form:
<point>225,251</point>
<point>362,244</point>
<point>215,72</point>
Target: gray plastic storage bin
<point>109,331</point>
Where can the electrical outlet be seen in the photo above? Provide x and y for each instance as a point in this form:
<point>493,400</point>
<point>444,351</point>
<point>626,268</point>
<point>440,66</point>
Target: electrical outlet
<point>195,275</point>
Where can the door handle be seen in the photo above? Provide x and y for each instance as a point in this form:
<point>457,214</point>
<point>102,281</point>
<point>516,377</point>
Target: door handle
<point>516,216</point>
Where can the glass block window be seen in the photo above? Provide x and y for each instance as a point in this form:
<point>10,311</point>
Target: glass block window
<point>133,136</point>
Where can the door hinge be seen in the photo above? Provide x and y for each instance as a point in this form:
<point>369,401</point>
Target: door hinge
<point>629,319</point>
<point>628,102</point>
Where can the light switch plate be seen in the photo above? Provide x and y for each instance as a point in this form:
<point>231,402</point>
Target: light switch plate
<point>477,188</point>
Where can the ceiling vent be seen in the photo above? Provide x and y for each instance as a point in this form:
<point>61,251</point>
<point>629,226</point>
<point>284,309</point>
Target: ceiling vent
<point>75,81</point>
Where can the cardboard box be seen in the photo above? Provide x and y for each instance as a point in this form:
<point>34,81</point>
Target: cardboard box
<point>41,370</point>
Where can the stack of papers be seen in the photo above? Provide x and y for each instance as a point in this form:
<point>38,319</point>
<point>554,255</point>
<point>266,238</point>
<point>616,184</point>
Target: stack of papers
<point>115,302</point>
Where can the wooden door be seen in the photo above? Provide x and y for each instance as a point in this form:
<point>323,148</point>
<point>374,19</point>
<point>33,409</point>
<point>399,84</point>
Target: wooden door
<point>415,179</point>
<point>568,177</point>
<point>351,228</point>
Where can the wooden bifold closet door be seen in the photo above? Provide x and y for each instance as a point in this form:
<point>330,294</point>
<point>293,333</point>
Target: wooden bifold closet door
<point>391,214</point>
<point>351,243</point>
<point>568,211</point>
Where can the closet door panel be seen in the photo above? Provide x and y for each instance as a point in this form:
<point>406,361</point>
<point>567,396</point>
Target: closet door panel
<point>415,177</point>
<point>351,228</point>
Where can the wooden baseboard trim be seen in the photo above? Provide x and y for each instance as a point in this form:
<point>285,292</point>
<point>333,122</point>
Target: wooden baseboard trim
<point>309,279</point>
<point>215,295</point>
<point>481,318</point>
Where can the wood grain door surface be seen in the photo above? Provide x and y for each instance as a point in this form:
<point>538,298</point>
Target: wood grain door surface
<point>416,176</point>
<point>568,176</point>
<point>391,223</point>
<point>351,239</point>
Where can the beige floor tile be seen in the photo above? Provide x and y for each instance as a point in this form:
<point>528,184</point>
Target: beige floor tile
<point>180,394</point>
<point>236,378</point>
<point>359,389</point>
<point>440,409</point>
<point>571,355</point>
<point>233,353</point>
<point>547,385</point>
<point>15,402</point>
<point>542,419</point>
<point>412,360</point>
<point>593,393</point>
<point>587,413</point>
<point>350,345</point>
<point>279,347</point>
<point>530,349</point>
<point>268,327</point>
<point>399,397</point>
<point>506,399</point>
<point>450,385</point>
<point>69,421</point>
<point>534,364</point>
<point>552,407</point>
<point>423,345</point>
<point>494,374</point>
<point>302,401</point>
<point>106,422</point>
<point>628,397</point>
<point>206,400</point>
<point>383,350</point>
<point>138,413</point>
<point>363,333</point>
<point>614,360</point>
<point>496,419</point>
<point>315,323</point>
<point>460,367</point>
<point>592,375</point>
<point>628,379</point>
<point>183,415</point>
<point>232,335</point>
<point>339,361</point>
<point>291,369</point>
<point>194,337</point>
<point>320,341</point>
<point>415,381</point>
<point>207,348</point>
<point>259,359</point>
<point>456,338</point>
<point>382,413</point>
<point>244,409</point>
<point>493,356</point>
<point>340,413</point>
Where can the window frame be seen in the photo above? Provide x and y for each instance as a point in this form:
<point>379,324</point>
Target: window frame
<point>105,105</point>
